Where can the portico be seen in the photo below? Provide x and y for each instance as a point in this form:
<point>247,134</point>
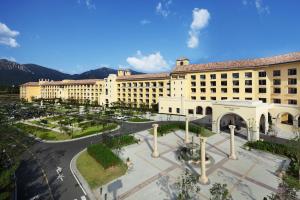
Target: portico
<point>248,116</point>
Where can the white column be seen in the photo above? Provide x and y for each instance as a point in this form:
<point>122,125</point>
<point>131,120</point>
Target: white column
<point>155,153</point>
<point>203,178</point>
<point>186,140</point>
<point>232,146</point>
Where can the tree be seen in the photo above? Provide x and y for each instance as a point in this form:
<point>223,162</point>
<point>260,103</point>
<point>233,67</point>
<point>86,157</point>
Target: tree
<point>219,192</point>
<point>188,186</point>
<point>284,192</point>
<point>294,146</point>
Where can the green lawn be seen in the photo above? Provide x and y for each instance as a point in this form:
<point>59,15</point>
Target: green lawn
<point>41,132</point>
<point>52,135</point>
<point>94,173</point>
<point>138,119</point>
<point>38,122</point>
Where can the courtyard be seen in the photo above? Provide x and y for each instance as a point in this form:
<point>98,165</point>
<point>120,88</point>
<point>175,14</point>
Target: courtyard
<point>251,176</point>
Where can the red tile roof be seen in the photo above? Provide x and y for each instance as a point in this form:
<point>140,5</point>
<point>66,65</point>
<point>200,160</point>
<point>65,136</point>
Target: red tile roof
<point>157,76</point>
<point>239,64</point>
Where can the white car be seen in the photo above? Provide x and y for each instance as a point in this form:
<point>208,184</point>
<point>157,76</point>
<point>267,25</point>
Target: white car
<point>120,117</point>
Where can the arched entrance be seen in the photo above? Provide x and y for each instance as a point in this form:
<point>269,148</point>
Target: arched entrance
<point>286,118</point>
<point>199,110</point>
<point>299,121</point>
<point>208,110</point>
<point>233,119</point>
<point>262,124</point>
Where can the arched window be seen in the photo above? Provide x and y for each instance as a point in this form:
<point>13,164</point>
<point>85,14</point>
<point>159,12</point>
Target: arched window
<point>208,111</point>
<point>286,118</point>
<point>199,110</point>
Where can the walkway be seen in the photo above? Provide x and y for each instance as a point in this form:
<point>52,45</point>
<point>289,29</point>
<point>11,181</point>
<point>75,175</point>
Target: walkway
<point>152,178</point>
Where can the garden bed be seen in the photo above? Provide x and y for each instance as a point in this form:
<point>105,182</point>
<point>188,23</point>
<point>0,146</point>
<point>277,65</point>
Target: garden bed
<point>139,119</point>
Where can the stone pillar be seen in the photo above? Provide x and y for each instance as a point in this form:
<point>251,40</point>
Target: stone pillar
<point>186,139</point>
<point>232,147</point>
<point>203,178</point>
<point>155,153</point>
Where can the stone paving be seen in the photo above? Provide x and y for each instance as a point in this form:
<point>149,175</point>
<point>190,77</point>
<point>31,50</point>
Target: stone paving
<point>251,177</point>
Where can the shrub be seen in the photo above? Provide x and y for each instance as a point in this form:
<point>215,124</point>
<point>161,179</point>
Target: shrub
<point>103,155</point>
<point>119,141</point>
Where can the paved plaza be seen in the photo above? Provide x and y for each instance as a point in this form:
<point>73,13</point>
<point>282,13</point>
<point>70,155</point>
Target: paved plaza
<point>252,176</point>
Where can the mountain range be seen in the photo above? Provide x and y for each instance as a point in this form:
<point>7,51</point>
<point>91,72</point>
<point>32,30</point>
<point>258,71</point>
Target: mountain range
<point>13,73</point>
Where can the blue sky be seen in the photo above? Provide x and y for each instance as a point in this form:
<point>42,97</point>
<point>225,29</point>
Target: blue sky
<point>148,35</point>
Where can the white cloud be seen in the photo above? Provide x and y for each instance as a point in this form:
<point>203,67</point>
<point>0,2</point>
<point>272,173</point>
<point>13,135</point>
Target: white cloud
<point>259,5</point>
<point>200,20</point>
<point>163,8</point>
<point>7,36</point>
<point>148,63</point>
<point>261,8</point>
<point>88,3</point>
<point>145,22</point>
<point>9,58</point>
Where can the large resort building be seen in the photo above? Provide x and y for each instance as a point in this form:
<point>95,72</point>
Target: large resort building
<point>256,91</point>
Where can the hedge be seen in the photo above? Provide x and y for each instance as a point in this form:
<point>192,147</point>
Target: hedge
<point>119,141</point>
<point>103,155</point>
<point>166,128</point>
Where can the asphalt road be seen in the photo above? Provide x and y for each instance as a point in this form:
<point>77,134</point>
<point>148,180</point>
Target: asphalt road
<point>41,162</point>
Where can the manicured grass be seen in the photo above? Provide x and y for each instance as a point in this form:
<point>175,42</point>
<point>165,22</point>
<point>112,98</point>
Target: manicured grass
<point>94,129</point>
<point>38,122</point>
<point>167,128</point>
<point>138,119</point>
<point>103,155</point>
<point>94,173</point>
<point>41,132</point>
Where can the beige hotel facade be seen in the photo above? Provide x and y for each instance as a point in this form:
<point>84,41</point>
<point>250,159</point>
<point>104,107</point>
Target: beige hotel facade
<point>253,89</point>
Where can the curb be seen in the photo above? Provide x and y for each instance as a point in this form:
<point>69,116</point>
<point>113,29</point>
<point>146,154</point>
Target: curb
<point>75,139</point>
<point>78,177</point>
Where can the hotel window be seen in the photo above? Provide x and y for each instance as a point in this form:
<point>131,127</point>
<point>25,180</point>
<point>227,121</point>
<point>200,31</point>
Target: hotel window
<point>193,77</point>
<point>170,110</point>
<point>292,101</point>
<point>193,98</point>
<point>262,82</point>
<point>292,81</point>
<point>224,83</point>
<point>191,111</point>
<point>236,83</point>
<point>203,98</point>
<point>177,110</point>
<point>276,73</point>
<point>224,90</point>
<point>224,76</point>
<point>213,83</point>
<point>262,90</point>
<point>262,74</point>
<point>248,74</point>
<point>235,75</point>
<point>248,90</point>
<point>264,100</point>
<point>203,90</point>
<point>278,101</point>
<point>277,90</point>
<point>202,83</point>
<point>249,99</point>
<point>212,76</point>
<point>202,77</point>
<point>193,90</point>
<point>292,90</point>
<point>213,90</point>
<point>248,82</point>
<point>213,98</point>
<point>193,84</point>
<point>223,98</point>
<point>276,82</point>
<point>292,72</point>
<point>235,90</point>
